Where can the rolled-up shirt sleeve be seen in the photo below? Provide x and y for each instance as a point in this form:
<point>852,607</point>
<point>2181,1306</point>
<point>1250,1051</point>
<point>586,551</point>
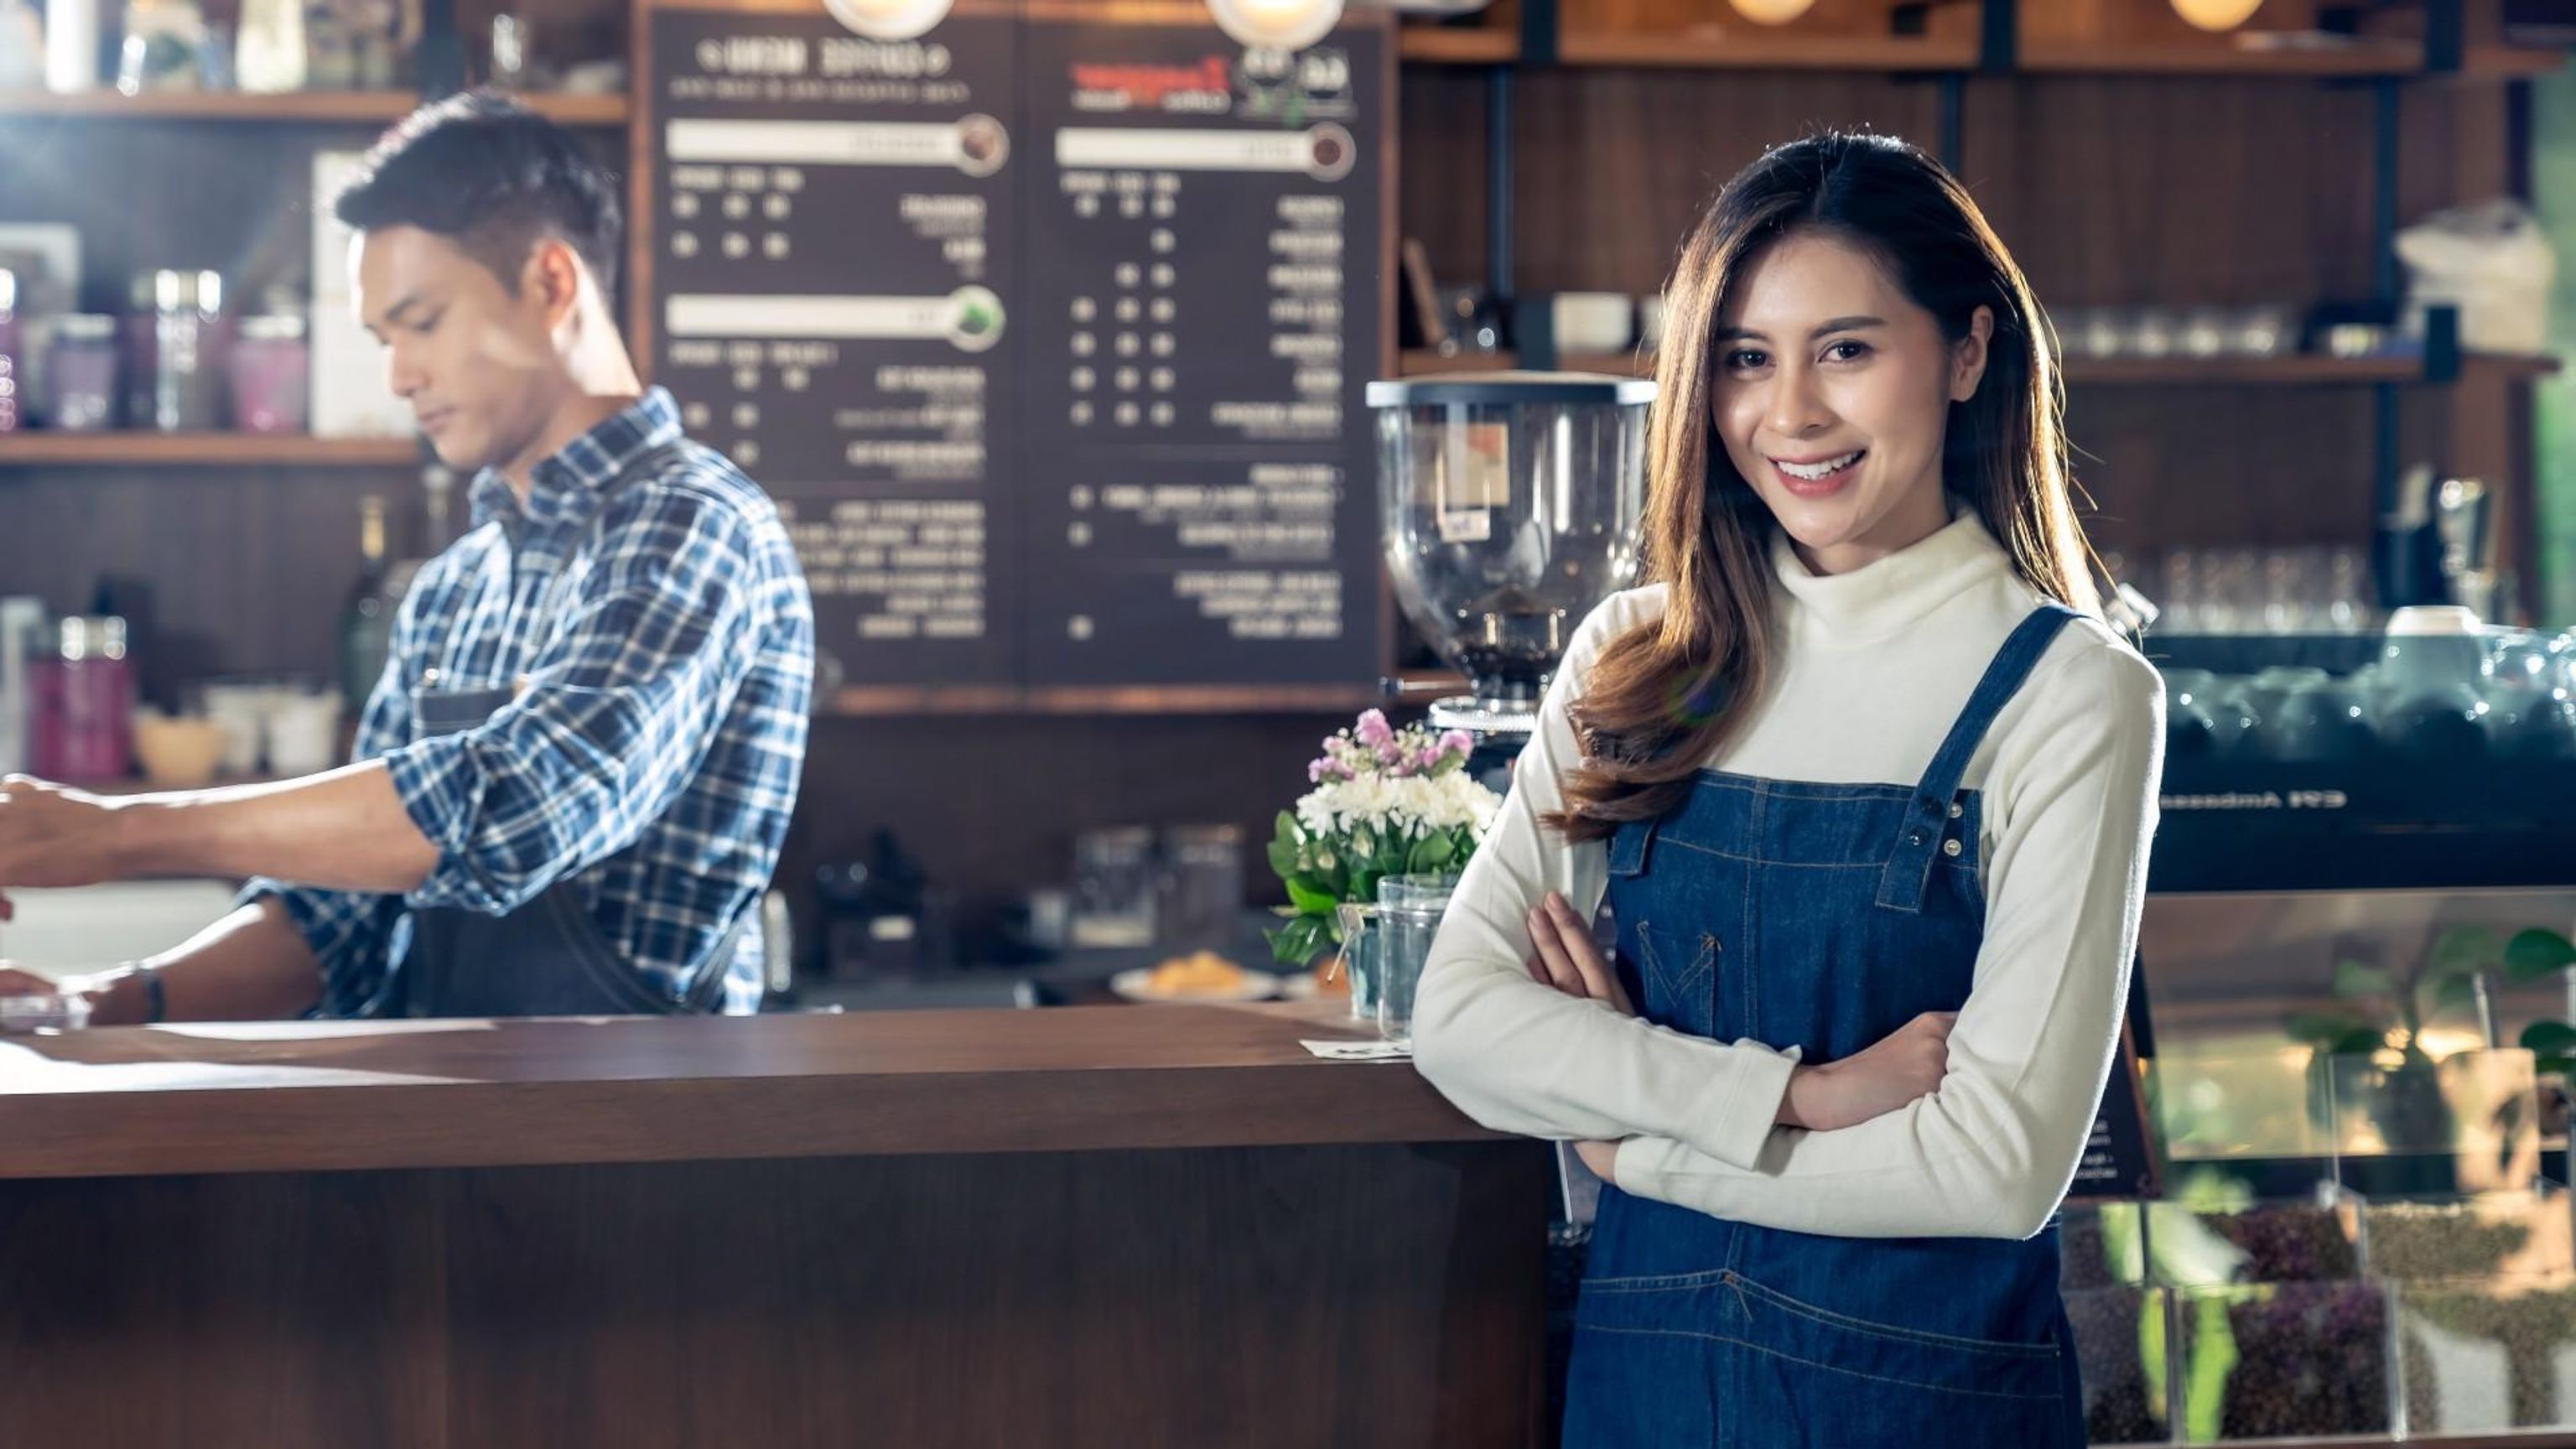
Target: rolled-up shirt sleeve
<point>616,718</point>
<point>351,932</point>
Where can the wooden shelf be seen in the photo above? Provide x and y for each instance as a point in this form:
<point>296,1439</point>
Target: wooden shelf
<point>2295,371</point>
<point>1457,45</point>
<point>878,701</point>
<point>1444,45</point>
<point>331,107</point>
<point>1892,54</point>
<point>37,448</point>
<point>2347,59</point>
<point>372,108</point>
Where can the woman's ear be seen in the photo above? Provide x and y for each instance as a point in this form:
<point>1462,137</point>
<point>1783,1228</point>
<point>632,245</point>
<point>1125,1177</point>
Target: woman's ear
<point>1968,355</point>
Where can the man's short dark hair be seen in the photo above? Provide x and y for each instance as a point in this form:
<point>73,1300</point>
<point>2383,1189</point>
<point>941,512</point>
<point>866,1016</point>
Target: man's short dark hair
<point>495,178</point>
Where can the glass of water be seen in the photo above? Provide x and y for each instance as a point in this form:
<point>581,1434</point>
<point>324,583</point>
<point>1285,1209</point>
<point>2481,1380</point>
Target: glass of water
<point>1409,908</point>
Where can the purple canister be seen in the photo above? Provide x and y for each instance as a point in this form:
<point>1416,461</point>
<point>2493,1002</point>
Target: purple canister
<point>83,707</point>
<point>272,371</point>
<point>174,366</point>
<point>80,373</point>
<point>13,374</point>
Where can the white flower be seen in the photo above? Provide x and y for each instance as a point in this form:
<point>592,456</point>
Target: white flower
<point>1405,808</point>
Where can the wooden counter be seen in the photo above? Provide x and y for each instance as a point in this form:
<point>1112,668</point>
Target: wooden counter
<point>1085,1226</point>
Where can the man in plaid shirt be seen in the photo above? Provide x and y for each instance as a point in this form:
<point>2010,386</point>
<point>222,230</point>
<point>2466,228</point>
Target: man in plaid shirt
<point>574,778</point>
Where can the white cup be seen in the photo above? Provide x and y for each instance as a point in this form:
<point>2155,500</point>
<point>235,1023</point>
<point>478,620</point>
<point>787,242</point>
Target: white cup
<point>304,734</point>
<point>1594,321</point>
<point>242,709</point>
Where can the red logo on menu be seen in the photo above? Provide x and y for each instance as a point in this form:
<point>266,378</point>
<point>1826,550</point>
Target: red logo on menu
<point>1150,87</point>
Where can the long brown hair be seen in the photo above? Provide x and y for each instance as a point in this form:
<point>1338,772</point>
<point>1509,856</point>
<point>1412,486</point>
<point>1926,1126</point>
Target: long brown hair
<point>1663,698</point>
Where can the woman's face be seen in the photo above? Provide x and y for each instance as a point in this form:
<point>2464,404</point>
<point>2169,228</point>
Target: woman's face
<point>1832,390</point>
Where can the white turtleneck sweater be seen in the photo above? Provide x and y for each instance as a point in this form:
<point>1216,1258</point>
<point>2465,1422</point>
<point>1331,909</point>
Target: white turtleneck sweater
<point>1874,668</point>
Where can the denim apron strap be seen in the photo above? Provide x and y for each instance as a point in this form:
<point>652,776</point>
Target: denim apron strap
<point>1936,798</point>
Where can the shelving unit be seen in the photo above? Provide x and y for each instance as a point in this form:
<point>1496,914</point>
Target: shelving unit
<point>2295,371</point>
<point>164,450</point>
<point>864,701</point>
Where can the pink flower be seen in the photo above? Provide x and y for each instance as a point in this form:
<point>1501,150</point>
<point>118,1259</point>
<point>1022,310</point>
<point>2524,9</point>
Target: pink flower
<point>1374,731</point>
<point>1457,742</point>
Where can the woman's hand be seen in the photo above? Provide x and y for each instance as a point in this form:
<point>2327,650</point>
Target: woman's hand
<point>1909,1063</point>
<point>1567,959</point>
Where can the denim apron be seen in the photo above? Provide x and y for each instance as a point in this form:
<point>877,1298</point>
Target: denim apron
<point>1822,917</point>
<point>548,957</point>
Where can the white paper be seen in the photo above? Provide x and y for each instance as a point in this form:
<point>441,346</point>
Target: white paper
<point>1360,1051</point>
<point>314,1030</point>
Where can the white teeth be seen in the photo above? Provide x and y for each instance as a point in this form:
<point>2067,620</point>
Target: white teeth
<point>1813,471</point>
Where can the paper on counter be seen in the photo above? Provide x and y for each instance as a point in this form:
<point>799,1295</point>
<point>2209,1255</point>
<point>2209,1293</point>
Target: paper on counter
<point>313,1030</point>
<point>1360,1051</point>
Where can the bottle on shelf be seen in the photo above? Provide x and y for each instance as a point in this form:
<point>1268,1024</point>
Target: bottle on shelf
<point>367,619</point>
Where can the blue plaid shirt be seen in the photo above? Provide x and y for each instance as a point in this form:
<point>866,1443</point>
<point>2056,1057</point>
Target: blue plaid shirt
<point>649,598</point>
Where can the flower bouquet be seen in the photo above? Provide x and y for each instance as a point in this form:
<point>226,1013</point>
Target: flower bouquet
<point>1385,802</point>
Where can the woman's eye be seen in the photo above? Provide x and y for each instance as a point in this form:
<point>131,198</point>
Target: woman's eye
<point>1744,359</point>
<point>1847,352</point>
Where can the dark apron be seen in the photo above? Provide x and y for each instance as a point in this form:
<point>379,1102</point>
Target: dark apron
<point>548,957</point>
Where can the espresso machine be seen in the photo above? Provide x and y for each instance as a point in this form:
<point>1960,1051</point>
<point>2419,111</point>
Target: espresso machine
<point>1510,504</point>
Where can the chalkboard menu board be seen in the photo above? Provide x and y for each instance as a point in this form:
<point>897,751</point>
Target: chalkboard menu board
<point>1048,335</point>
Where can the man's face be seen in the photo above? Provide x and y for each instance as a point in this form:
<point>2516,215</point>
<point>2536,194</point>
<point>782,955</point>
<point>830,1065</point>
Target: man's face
<point>475,360</point>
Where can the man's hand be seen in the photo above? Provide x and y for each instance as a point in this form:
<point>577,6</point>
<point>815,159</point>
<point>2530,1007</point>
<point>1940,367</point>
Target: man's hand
<point>52,836</point>
<point>1906,1065</point>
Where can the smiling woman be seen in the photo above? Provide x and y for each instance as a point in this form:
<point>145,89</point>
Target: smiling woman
<point>1866,789</point>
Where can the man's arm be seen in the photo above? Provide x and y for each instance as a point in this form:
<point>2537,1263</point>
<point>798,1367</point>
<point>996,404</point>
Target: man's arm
<point>342,830</point>
<point>252,965</point>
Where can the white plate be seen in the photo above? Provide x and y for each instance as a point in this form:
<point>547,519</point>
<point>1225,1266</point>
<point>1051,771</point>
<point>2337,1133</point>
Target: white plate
<point>1137,985</point>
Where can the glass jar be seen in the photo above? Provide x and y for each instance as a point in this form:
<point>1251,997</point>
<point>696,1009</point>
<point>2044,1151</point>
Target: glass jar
<point>13,373</point>
<point>83,702</point>
<point>81,373</point>
<point>271,372</point>
<point>175,352</point>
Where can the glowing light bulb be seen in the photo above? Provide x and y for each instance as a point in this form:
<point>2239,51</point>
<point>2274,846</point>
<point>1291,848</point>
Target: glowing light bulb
<point>889,19</point>
<point>1276,24</point>
<point>1772,12</point>
<point>2216,15</point>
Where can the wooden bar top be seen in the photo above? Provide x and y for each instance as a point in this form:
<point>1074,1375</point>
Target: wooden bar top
<point>325,1096</point>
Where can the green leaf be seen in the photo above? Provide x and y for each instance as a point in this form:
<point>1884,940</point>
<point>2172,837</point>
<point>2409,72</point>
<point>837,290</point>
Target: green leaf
<point>1300,941</point>
<point>2463,948</point>
<point>2550,1038</point>
<point>1310,896</point>
<point>1286,829</point>
<point>2455,990</point>
<point>1283,858</point>
<point>1431,853</point>
<point>2534,954</point>
<point>2317,1028</point>
<point>2354,978</point>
